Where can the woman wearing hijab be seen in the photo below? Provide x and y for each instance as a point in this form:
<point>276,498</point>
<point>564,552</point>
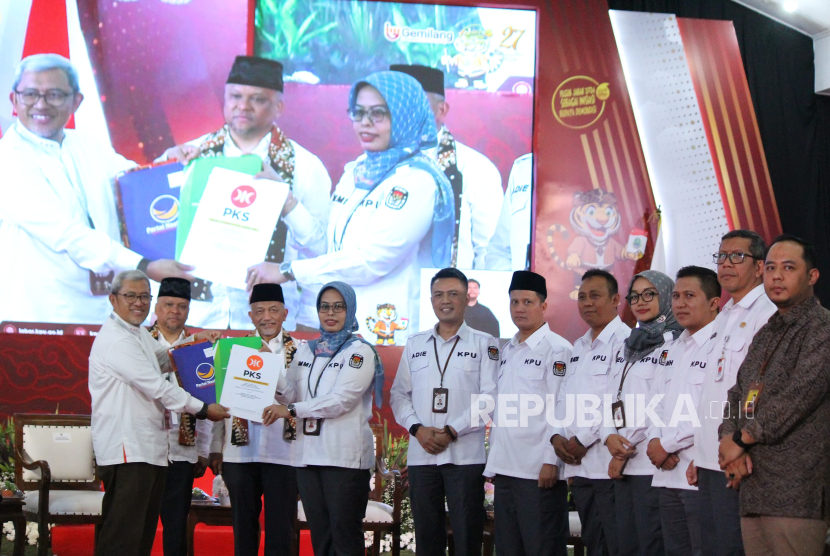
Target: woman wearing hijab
<point>632,373</point>
<point>392,211</point>
<point>328,389</point>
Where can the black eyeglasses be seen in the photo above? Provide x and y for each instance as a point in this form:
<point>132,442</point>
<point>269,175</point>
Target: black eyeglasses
<point>647,296</point>
<point>376,114</point>
<point>132,298</point>
<point>734,258</point>
<point>54,97</point>
<point>335,307</point>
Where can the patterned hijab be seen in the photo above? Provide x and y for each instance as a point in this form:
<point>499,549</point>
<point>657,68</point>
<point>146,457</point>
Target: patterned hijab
<point>330,343</point>
<point>413,131</point>
<point>648,336</point>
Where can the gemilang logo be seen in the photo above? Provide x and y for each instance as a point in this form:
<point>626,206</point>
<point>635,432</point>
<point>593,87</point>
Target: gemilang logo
<point>396,33</point>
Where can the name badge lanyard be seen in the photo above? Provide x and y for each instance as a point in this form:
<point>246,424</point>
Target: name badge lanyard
<point>757,386</point>
<point>311,426</point>
<point>617,408</point>
<point>440,395</point>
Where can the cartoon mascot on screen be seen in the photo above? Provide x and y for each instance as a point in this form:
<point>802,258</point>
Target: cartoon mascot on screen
<point>386,324</point>
<point>595,219</point>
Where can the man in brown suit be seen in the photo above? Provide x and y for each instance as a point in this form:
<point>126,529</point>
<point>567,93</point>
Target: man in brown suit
<point>775,437</point>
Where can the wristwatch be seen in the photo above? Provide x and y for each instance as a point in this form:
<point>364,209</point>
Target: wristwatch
<point>736,438</point>
<point>203,412</point>
<point>413,430</point>
<point>143,264</point>
<point>291,410</point>
<point>285,269</point>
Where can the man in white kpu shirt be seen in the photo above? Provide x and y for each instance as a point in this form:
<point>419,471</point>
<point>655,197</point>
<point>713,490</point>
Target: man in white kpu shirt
<point>510,247</point>
<point>58,223</point>
<point>740,261</point>
<point>695,304</point>
<point>131,402</point>
<point>260,460</point>
<point>531,501</point>
<point>586,459</point>
<point>253,103</point>
<point>475,180</point>
<point>187,441</point>
<point>441,371</point>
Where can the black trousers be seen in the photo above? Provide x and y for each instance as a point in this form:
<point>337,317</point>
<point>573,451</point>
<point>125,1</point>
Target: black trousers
<point>247,484</point>
<point>334,501</point>
<point>130,509</point>
<point>463,488</point>
<point>720,518</point>
<point>175,506</point>
<point>637,499</point>
<point>595,504</point>
<point>530,521</point>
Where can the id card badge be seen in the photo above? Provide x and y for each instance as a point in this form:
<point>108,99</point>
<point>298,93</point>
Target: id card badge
<point>618,412</point>
<point>311,427</point>
<point>100,284</point>
<point>440,397</point>
<point>289,429</point>
<point>721,365</point>
<point>751,402</point>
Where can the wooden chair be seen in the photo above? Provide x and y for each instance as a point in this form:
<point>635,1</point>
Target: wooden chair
<point>55,467</point>
<point>380,518</point>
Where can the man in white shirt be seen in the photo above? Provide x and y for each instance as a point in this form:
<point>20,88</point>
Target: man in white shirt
<point>58,223</point>
<point>476,182</point>
<point>695,304</point>
<point>509,249</point>
<point>131,406</point>
<point>531,502</point>
<point>189,441</point>
<point>260,461</point>
<point>740,261</point>
<point>441,371</point>
<point>586,459</point>
<point>253,104</point>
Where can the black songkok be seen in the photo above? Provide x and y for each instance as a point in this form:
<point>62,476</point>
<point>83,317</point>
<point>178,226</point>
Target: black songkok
<point>267,292</point>
<point>175,287</point>
<point>257,72</point>
<point>431,79</point>
<point>526,280</point>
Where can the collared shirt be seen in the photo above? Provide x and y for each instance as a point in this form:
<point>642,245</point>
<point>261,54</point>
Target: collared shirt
<point>638,382</point>
<point>377,242</point>
<point>50,193</point>
<point>535,367</point>
<point>339,391</point>
<point>508,249</point>
<point>736,325</point>
<point>680,385</point>
<point>587,374</point>
<point>130,394</point>
<point>265,444</point>
<point>471,370</point>
<point>306,238</point>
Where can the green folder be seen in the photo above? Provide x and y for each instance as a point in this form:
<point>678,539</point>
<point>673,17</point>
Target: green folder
<point>196,177</point>
<point>222,354</point>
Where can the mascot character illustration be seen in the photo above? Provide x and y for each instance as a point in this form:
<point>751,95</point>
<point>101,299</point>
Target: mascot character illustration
<point>595,219</point>
<point>385,325</point>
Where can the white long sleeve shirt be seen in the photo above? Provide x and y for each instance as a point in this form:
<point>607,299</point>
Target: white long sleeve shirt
<point>736,325</point>
<point>306,238</point>
<point>587,375</point>
<point>50,193</point>
<point>471,370</point>
<point>130,394</point>
<point>377,242</point>
<point>535,367</point>
<point>337,390</point>
<point>508,249</point>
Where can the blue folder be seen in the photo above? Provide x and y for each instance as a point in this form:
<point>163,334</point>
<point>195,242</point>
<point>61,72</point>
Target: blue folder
<point>194,365</point>
<point>149,211</point>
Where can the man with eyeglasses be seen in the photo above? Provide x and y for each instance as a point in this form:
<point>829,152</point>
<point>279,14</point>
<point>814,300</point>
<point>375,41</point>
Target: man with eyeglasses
<point>131,413</point>
<point>442,371</point>
<point>253,104</point>
<point>58,222</point>
<point>740,261</point>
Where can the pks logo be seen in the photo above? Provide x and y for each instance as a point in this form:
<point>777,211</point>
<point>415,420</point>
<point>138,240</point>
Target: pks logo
<point>204,371</point>
<point>254,363</point>
<point>243,196</point>
<point>164,209</point>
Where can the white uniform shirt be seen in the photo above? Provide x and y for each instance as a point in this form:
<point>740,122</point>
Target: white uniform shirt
<point>638,382</point>
<point>508,248</point>
<point>587,375</point>
<point>130,394</point>
<point>472,370</point>
<point>340,393</point>
<point>175,451</point>
<point>736,325</point>
<point>680,385</point>
<point>265,444</point>
<point>377,242</point>
<point>537,367</point>
<point>306,238</point>
<point>50,191</point>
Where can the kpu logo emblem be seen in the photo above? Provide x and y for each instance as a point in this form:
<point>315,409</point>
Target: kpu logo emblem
<point>396,198</point>
<point>164,209</point>
<point>559,368</point>
<point>243,196</point>
<point>204,371</point>
<point>356,361</point>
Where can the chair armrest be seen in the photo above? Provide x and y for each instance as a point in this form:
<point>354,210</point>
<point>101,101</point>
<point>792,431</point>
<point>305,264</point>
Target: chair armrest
<point>43,483</point>
<point>397,489</point>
